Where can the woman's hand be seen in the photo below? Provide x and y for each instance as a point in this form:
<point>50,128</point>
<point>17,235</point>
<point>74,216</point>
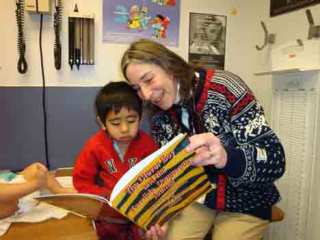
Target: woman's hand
<point>157,232</point>
<point>208,149</point>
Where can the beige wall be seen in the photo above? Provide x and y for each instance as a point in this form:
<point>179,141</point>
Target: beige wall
<point>243,33</point>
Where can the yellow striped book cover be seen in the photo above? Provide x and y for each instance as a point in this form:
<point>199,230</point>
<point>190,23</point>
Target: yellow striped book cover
<point>160,186</point>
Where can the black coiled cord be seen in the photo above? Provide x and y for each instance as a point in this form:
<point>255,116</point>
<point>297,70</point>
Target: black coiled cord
<point>22,65</point>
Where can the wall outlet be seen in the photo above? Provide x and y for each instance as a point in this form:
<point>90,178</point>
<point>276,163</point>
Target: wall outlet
<point>38,6</point>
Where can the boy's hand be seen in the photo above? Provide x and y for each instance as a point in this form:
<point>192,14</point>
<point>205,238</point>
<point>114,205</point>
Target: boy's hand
<point>37,173</point>
<point>55,187</point>
<point>52,184</point>
<point>157,232</point>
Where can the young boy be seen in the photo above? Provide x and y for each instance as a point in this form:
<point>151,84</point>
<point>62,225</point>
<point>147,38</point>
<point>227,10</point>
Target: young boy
<point>111,152</point>
<point>35,177</point>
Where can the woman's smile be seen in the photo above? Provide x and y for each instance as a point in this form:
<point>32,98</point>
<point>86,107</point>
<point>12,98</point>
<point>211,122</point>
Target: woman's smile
<point>153,84</point>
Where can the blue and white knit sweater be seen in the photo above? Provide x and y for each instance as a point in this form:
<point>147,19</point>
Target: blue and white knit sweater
<point>256,158</point>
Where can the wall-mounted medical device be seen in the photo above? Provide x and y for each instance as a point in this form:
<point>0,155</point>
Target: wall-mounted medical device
<point>81,39</point>
<point>38,6</point>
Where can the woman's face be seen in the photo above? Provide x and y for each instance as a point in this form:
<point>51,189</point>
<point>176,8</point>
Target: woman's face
<point>153,84</point>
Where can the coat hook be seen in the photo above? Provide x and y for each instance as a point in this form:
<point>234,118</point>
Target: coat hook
<point>76,8</point>
<point>300,42</point>
<point>268,37</point>
<point>314,30</point>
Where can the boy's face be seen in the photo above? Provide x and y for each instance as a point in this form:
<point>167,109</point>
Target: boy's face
<point>122,126</point>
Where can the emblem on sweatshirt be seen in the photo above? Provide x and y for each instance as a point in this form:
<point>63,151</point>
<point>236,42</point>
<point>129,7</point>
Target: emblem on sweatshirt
<point>111,166</point>
<point>132,161</point>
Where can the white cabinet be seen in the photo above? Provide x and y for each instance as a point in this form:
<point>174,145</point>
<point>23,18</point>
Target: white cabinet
<point>295,117</point>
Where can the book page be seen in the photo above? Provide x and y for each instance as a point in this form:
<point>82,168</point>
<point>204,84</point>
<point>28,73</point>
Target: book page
<point>88,205</point>
<point>73,195</point>
<point>65,181</point>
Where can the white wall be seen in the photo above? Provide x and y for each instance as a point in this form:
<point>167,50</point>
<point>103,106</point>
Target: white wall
<point>242,34</point>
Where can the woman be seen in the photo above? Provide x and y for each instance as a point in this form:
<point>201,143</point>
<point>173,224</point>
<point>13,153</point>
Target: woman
<point>228,132</point>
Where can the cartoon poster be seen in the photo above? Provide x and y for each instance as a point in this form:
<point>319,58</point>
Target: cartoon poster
<point>127,20</point>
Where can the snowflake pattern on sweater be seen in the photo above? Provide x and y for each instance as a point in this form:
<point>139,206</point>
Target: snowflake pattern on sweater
<point>256,158</point>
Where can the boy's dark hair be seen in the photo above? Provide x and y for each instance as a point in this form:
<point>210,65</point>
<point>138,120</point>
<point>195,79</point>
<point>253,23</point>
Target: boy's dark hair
<point>115,95</point>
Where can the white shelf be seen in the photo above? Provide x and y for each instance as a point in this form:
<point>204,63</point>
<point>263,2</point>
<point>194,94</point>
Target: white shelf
<point>285,71</point>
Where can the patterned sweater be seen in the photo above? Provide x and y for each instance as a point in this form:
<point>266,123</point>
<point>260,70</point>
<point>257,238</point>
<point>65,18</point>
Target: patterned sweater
<point>227,108</point>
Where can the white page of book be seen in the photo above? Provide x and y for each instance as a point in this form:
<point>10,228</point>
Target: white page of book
<point>65,181</point>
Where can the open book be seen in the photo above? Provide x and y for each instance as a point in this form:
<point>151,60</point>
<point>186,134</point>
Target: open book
<point>151,192</point>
